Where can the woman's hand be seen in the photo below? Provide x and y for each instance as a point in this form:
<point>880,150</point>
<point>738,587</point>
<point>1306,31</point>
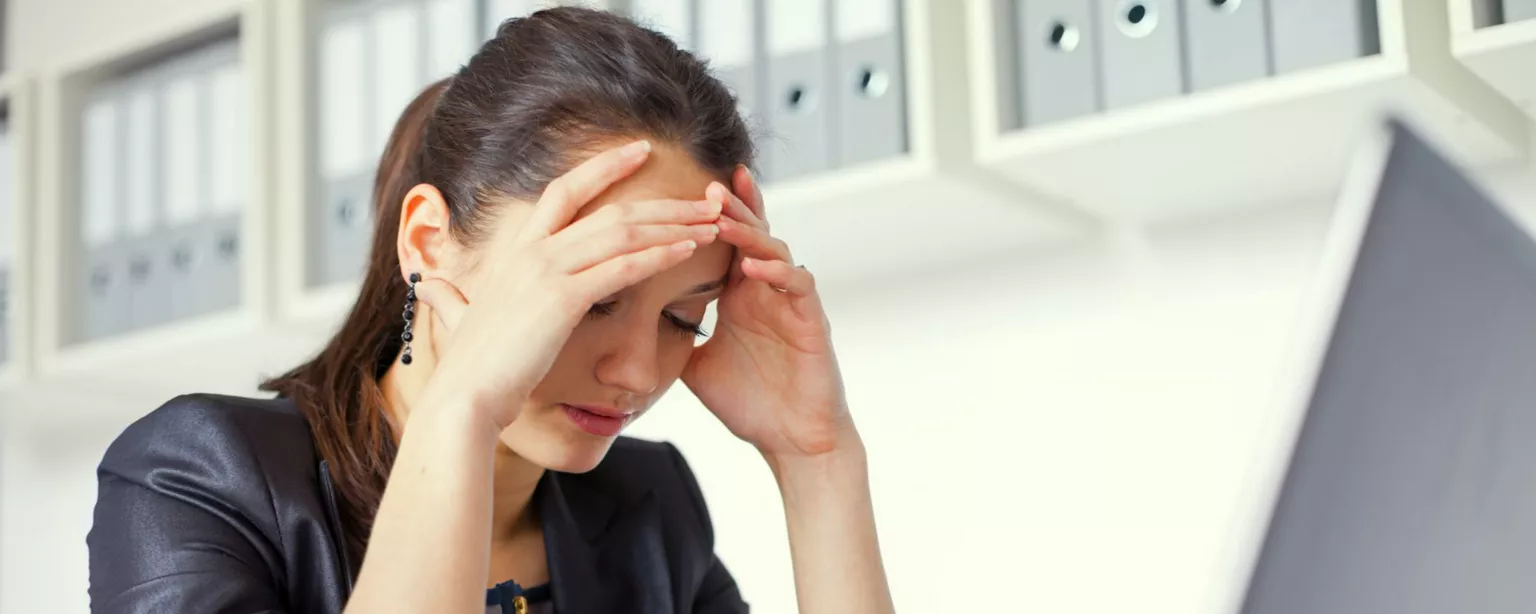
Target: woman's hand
<point>546,275</point>
<point>769,372</point>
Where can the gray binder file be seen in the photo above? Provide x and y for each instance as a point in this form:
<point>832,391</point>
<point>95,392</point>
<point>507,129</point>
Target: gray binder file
<point>1140,41</point>
<point>183,192</point>
<point>798,87</point>
<point>342,211</point>
<point>1058,59</point>
<point>1310,33</point>
<point>8,237</point>
<point>149,278</point>
<point>727,41</point>
<point>228,143</point>
<point>871,84</point>
<point>1226,42</point>
<point>1519,10</point>
<point>101,285</point>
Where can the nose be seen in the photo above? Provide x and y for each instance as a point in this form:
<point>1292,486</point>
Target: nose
<point>629,362</point>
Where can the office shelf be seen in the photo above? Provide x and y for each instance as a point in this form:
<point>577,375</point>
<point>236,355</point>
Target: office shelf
<point>1271,141</point>
<point>17,96</point>
<point>140,356</point>
<point>1502,54</point>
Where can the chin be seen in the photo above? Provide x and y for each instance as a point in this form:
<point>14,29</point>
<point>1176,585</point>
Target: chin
<point>550,440</point>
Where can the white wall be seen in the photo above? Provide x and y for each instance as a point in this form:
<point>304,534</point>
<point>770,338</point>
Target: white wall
<point>1064,431</point>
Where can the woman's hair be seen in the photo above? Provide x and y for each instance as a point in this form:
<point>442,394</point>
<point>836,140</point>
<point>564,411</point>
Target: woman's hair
<point>547,92</point>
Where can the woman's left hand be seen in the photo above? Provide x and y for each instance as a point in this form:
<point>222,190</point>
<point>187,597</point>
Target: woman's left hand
<point>768,372</point>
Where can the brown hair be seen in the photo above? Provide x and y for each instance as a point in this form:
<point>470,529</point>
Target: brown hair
<point>530,104</point>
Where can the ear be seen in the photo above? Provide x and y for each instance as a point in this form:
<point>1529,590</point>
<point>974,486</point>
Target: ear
<point>423,241</point>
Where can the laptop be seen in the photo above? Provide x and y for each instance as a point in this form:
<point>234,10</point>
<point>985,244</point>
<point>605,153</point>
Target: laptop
<point>1410,486</point>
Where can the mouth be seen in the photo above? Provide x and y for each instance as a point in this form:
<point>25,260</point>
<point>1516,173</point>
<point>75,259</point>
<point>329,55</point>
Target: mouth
<point>599,421</point>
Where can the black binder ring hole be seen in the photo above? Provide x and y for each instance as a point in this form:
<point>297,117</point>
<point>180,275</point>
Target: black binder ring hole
<point>138,270</point>
<point>873,82</point>
<point>182,258</point>
<point>1137,19</point>
<point>100,279</point>
<point>229,245</point>
<point>1065,37</point>
<point>346,212</point>
<point>1226,6</point>
<point>800,99</point>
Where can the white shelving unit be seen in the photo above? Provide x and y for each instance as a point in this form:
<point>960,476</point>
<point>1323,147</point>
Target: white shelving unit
<point>931,206</point>
<point>1502,54</point>
<point>16,93</point>
<point>1270,141</point>
<point>180,351</point>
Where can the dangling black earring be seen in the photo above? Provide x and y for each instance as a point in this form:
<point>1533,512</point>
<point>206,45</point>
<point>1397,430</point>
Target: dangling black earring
<point>410,316</point>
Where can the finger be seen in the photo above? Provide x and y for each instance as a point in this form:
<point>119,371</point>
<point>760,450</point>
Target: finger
<point>780,274</point>
<point>745,185</point>
<point>733,206</point>
<point>619,273</point>
<point>446,301</point>
<point>753,242</point>
<point>564,196</point>
<point>638,213</point>
<point>616,241</point>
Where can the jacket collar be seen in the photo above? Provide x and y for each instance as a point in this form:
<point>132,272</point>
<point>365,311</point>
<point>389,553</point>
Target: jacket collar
<point>604,554</point>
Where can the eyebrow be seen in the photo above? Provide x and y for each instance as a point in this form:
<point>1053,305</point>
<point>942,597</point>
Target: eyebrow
<point>707,287</point>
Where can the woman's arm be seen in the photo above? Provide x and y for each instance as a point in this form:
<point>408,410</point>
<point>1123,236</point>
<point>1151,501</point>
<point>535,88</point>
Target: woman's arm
<point>430,546</point>
<point>832,530</point>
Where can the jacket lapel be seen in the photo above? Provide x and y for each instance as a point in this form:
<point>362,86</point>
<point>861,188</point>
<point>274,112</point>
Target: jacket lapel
<point>604,555</point>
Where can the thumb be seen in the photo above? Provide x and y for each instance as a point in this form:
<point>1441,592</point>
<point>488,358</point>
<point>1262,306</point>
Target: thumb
<point>445,300</point>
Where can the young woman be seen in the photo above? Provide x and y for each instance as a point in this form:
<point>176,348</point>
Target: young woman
<point>554,220</point>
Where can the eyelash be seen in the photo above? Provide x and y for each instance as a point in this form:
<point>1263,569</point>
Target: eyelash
<point>683,327</point>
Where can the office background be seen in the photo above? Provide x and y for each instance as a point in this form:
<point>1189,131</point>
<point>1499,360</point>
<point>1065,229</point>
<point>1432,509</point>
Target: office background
<point>1062,244</point>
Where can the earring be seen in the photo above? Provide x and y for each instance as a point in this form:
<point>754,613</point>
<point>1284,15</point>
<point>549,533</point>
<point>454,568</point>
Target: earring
<point>410,316</point>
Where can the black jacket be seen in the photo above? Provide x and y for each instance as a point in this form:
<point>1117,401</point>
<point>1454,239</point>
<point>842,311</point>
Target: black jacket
<point>219,505</point>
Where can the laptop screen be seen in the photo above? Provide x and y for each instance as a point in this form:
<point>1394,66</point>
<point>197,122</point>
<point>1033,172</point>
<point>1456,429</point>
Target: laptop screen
<point>1412,487</point>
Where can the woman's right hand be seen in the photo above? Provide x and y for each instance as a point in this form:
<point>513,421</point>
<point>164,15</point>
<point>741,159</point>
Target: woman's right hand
<point>545,275</point>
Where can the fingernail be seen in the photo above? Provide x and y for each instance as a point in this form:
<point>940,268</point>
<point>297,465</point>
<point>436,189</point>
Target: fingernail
<point>637,149</point>
<point>707,232</point>
<point>685,246</point>
<point>750,176</point>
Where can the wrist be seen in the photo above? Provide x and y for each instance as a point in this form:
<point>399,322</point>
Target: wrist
<point>847,458</point>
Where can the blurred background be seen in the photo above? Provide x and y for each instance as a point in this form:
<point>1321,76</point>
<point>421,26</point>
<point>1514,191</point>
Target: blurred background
<point>1063,244</point>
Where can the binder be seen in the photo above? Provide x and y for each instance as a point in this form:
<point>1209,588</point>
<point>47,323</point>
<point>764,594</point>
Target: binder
<point>228,142</point>
<point>451,38</point>
<point>1227,42</point>
<point>348,218</point>
<point>1311,33</point>
<point>797,105</point>
<point>1058,59</point>
<point>498,11</point>
<point>149,279</point>
<point>102,288</point>
<point>181,181</point>
<point>1519,10</point>
<point>397,66</point>
<point>1141,51</point>
<point>870,87</point>
<point>727,41</point>
<point>341,212</point>
<point>672,18</point>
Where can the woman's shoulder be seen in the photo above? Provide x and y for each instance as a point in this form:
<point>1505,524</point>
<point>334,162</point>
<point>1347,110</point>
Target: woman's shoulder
<point>222,435</point>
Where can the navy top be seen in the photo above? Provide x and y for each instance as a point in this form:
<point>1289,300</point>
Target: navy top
<point>499,598</point>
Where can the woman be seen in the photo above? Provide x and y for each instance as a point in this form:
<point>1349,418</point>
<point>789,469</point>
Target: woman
<point>554,220</point>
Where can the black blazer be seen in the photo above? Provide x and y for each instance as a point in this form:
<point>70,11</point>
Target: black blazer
<point>219,505</point>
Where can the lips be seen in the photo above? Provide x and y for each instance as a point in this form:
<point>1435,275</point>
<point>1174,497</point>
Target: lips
<point>599,421</point>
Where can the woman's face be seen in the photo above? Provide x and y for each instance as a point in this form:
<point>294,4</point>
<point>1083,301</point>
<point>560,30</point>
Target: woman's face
<point>632,346</point>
